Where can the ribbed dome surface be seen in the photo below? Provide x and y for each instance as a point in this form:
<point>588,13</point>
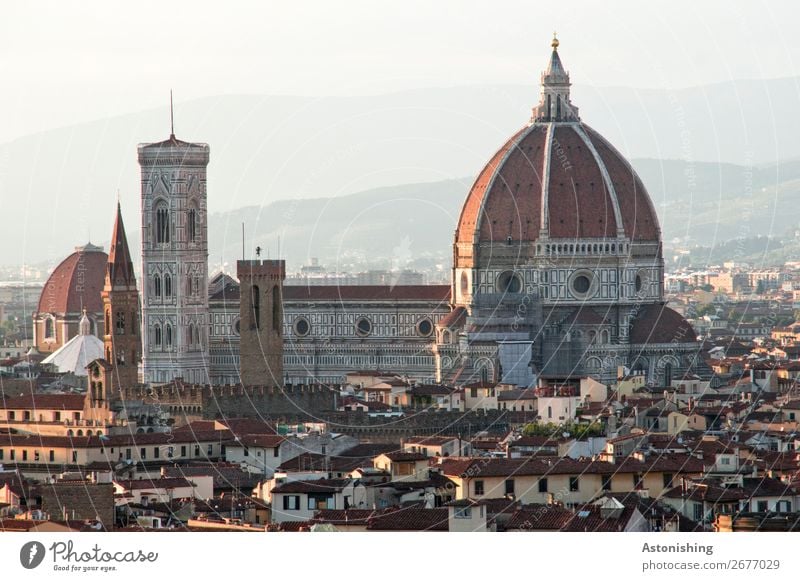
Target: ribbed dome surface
<point>559,179</point>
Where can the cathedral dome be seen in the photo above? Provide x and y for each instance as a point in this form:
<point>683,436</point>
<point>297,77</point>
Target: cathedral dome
<point>557,178</point>
<point>76,283</point>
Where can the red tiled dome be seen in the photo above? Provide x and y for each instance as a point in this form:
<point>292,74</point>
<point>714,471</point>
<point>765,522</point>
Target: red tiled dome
<point>76,283</point>
<point>572,183</point>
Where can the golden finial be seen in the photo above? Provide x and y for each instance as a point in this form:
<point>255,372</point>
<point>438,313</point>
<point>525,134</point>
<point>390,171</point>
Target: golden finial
<point>554,44</point>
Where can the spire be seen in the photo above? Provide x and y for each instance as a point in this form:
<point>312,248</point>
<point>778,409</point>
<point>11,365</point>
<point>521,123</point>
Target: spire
<point>85,326</point>
<point>120,266</point>
<point>171,117</point>
<point>554,103</point>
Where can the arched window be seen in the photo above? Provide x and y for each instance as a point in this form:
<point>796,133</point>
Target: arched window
<point>167,286</point>
<point>120,323</point>
<point>168,336</point>
<point>255,298</point>
<point>157,335</point>
<point>157,285</point>
<point>162,224</point>
<point>49,328</point>
<point>108,321</point>
<point>277,323</point>
<point>190,334</point>
<point>191,225</point>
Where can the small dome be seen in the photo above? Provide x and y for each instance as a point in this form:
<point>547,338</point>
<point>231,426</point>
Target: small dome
<point>657,323</point>
<point>76,354</point>
<point>76,283</point>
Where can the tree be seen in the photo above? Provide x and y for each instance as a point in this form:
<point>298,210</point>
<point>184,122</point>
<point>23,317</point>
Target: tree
<point>557,431</point>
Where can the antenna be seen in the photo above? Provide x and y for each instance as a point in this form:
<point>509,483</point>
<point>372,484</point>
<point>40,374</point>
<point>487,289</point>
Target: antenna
<point>171,117</point>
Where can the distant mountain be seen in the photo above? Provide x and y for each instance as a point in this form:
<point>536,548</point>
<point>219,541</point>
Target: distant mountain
<point>58,188</point>
<point>711,203</point>
<point>704,204</point>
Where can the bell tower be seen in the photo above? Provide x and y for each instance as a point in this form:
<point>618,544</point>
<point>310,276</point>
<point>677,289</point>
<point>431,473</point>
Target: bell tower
<point>175,318</point>
<point>261,316</point>
<point>122,346</point>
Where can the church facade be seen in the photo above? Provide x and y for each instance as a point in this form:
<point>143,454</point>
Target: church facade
<point>557,271</point>
<point>558,265</point>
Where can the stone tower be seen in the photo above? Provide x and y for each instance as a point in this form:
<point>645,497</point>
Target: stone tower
<point>261,321</point>
<point>174,261</point>
<point>122,345</point>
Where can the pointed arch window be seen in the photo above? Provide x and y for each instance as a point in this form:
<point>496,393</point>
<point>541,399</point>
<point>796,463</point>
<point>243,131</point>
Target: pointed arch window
<point>191,224</point>
<point>168,336</point>
<point>119,326</point>
<point>167,286</point>
<point>162,224</point>
<point>157,285</point>
<point>157,335</point>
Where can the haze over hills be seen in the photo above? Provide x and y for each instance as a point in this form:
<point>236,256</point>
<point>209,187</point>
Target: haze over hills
<point>288,164</point>
<point>705,203</point>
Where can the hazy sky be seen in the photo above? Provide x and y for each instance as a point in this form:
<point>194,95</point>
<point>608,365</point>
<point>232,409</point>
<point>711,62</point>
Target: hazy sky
<point>65,62</point>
